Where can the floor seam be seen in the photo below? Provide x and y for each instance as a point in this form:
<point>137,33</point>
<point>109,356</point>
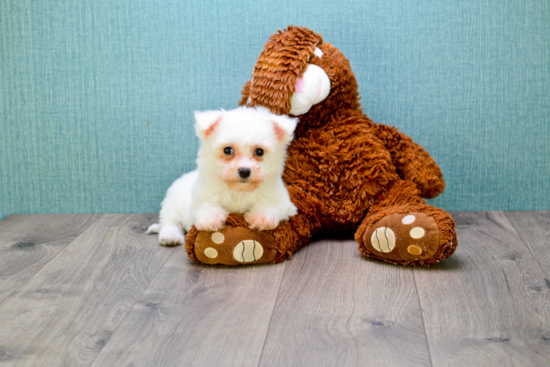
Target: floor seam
<point>525,244</point>
<point>49,261</point>
<point>272,313</point>
<point>134,305</point>
<point>422,317</point>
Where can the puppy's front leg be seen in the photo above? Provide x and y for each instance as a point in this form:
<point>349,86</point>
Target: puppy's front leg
<point>210,217</point>
<point>171,235</point>
<point>265,217</point>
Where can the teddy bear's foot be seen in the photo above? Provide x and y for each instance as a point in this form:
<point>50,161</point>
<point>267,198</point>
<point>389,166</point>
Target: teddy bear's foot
<point>233,246</point>
<point>412,238</point>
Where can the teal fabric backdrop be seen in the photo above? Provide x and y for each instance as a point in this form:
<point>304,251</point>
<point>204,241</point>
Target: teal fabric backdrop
<point>96,97</point>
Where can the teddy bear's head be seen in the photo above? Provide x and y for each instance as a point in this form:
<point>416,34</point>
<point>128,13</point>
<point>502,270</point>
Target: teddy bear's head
<point>298,74</point>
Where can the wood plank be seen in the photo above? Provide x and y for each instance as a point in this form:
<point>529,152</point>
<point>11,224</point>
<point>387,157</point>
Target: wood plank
<point>28,242</point>
<point>337,308</point>
<point>534,229</point>
<point>67,312</point>
<point>488,305</point>
<point>198,315</point>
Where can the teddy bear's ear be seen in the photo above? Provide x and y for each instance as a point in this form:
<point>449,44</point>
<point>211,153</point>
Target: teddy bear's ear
<point>206,122</point>
<point>245,94</point>
<point>284,127</point>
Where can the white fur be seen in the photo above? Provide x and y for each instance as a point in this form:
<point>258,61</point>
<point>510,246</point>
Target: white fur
<point>318,52</point>
<point>204,197</point>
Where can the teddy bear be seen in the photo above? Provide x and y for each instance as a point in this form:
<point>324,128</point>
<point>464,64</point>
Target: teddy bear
<point>343,171</point>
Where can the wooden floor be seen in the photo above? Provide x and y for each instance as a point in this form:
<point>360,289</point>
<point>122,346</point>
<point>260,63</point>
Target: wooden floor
<point>95,290</point>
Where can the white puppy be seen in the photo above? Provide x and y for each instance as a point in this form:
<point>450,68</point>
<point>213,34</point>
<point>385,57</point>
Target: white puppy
<point>239,170</point>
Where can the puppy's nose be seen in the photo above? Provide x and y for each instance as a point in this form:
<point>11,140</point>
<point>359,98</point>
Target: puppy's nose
<point>244,172</point>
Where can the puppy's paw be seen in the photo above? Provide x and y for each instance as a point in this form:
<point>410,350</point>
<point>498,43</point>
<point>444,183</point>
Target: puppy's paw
<point>261,221</point>
<point>171,236</point>
<point>211,223</point>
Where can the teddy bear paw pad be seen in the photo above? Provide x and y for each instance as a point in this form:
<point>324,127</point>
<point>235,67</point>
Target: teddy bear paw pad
<point>235,246</point>
<point>411,236</point>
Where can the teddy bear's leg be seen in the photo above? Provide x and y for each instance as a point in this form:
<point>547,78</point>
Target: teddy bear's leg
<point>236,244</point>
<point>401,229</point>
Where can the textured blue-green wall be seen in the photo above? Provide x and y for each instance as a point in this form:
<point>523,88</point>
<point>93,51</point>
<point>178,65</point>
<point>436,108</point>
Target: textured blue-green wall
<point>96,97</point>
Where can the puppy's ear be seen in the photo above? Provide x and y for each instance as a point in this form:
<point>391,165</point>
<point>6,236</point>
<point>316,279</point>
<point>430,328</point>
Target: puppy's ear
<point>283,127</point>
<point>206,122</point>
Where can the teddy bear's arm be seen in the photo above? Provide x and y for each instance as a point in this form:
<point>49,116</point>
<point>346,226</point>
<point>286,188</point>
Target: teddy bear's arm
<point>412,162</point>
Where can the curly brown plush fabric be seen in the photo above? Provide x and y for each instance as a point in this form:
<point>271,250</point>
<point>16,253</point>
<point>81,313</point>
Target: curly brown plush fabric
<point>344,171</point>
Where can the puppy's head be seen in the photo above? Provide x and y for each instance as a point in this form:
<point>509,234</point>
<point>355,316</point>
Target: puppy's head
<point>243,147</point>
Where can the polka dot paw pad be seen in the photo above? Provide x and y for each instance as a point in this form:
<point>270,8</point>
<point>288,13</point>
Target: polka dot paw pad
<point>235,246</point>
<point>410,236</point>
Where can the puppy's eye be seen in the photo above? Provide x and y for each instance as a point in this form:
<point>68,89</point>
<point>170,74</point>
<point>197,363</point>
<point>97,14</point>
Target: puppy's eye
<point>228,151</point>
<point>259,152</point>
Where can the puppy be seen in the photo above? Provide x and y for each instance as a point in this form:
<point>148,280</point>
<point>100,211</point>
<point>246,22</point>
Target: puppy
<point>239,170</point>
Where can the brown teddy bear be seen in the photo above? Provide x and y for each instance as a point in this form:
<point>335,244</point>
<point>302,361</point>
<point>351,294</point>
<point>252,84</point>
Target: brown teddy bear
<point>342,172</point>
